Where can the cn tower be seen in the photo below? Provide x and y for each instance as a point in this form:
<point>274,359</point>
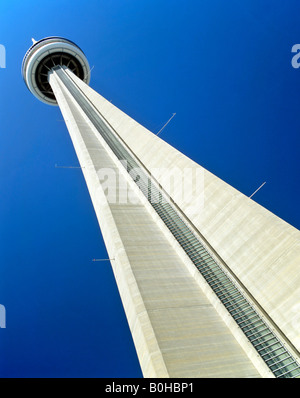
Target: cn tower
<point>209,279</point>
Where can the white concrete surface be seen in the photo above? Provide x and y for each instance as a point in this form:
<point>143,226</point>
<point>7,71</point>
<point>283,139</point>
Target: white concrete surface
<point>261,249</point>
<point>175,326</point>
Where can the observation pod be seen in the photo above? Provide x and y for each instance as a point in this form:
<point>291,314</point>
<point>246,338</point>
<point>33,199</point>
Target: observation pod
<point>43,56</point>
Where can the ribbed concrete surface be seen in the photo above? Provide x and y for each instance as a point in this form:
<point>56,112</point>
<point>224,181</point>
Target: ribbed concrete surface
<point>176,330</point>
<point>259,247</point>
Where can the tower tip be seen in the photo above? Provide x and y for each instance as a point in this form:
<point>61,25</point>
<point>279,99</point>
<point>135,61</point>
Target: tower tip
<point>33,40</point>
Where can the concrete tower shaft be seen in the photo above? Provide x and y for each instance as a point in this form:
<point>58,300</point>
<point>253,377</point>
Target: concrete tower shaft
<point>47,53</point>
<point>210,287</point>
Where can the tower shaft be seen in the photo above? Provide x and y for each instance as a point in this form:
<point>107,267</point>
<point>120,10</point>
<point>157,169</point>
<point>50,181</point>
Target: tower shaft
<point>190,315</point>
<point>209,279</point>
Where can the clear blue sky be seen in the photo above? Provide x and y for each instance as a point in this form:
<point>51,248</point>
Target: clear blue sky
<point>224,67</point>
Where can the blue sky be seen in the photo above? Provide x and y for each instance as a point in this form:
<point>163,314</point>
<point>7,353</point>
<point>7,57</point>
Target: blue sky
<point>223,67</point>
